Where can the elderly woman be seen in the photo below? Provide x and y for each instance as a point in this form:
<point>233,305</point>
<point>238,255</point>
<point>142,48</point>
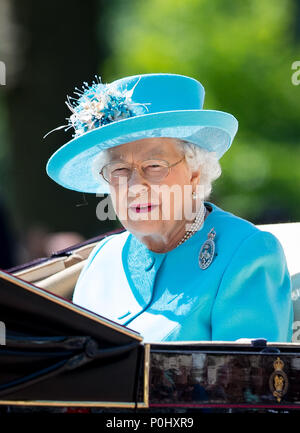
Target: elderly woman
<point>184,269</point>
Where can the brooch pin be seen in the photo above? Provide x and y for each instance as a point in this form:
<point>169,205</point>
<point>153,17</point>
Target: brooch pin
<point>207,250</point>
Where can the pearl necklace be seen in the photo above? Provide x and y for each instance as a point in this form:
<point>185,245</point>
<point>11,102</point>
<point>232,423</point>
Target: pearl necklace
<point>195,226</point>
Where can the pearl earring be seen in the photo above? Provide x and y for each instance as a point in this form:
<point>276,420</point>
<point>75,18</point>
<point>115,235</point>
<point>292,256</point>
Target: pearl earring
<point>194,195</point>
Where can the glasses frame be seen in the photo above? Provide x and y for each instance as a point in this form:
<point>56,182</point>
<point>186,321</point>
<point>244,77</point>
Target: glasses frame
<point>138,166</point>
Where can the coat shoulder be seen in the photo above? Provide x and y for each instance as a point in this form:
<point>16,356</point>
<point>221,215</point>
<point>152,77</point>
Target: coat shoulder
<point>230,224</point>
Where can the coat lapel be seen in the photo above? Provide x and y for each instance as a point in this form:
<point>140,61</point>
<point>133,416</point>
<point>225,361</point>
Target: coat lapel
<point>140,266</point>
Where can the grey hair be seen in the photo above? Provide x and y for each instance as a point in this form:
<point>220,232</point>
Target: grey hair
<point>196,157</point>
<point>98,163</point>
<point>201,159</point>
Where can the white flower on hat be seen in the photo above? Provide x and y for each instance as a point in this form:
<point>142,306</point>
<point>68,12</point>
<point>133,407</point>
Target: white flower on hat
<point>98,105</point>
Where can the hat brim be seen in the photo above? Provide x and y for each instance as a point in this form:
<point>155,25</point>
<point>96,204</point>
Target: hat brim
<point>71,165</point>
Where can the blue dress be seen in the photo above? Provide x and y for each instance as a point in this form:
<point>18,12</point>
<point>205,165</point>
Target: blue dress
<point>244,293</point>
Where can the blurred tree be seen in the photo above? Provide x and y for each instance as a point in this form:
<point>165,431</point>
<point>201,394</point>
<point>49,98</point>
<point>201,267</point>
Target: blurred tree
<point>58,48</point>
<point>297,20</point>
<point>242,52</point>
<point>7,240</point>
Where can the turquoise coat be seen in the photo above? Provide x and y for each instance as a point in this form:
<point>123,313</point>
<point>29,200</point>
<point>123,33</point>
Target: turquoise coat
<point>244,293</point>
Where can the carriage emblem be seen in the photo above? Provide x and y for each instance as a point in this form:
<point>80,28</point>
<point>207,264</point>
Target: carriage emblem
<point>278,381</point>
<point>207,250</point>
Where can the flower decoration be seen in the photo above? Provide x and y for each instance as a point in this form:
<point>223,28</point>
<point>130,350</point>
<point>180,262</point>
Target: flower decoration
<point>99,104</point>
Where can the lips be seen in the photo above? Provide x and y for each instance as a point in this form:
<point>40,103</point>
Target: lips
<point>142,208</point>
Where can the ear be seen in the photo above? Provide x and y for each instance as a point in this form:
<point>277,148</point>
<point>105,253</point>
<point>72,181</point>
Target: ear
<point>195,178</point>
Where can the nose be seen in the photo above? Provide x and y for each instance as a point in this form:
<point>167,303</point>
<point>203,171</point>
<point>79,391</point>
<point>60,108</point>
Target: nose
<point>136,183</point>
<point>135,177</point>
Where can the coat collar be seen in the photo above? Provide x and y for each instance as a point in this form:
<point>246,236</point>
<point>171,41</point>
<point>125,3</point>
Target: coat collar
<point>140,265</point>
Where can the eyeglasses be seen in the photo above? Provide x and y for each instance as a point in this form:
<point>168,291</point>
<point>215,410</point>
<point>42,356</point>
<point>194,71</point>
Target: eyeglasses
<point>153,170</point>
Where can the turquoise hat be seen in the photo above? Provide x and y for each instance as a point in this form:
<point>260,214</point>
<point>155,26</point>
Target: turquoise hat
<point>133,108</point>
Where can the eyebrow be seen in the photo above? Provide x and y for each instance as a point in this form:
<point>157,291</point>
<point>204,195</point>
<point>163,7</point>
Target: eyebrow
<point>158,152</point>
<point>152,153</point>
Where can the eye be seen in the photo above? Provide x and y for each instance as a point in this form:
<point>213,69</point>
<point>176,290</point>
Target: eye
<point>115,171</point>
<point>154,165</point>
<point>120,171</point>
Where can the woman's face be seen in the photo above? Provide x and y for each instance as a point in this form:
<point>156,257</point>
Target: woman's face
<point>147,206</point>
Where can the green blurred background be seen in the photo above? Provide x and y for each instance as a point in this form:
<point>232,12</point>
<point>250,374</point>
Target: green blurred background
<point>242,51</point>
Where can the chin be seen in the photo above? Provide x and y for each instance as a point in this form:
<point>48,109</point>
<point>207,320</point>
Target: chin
<point>143,227</point>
